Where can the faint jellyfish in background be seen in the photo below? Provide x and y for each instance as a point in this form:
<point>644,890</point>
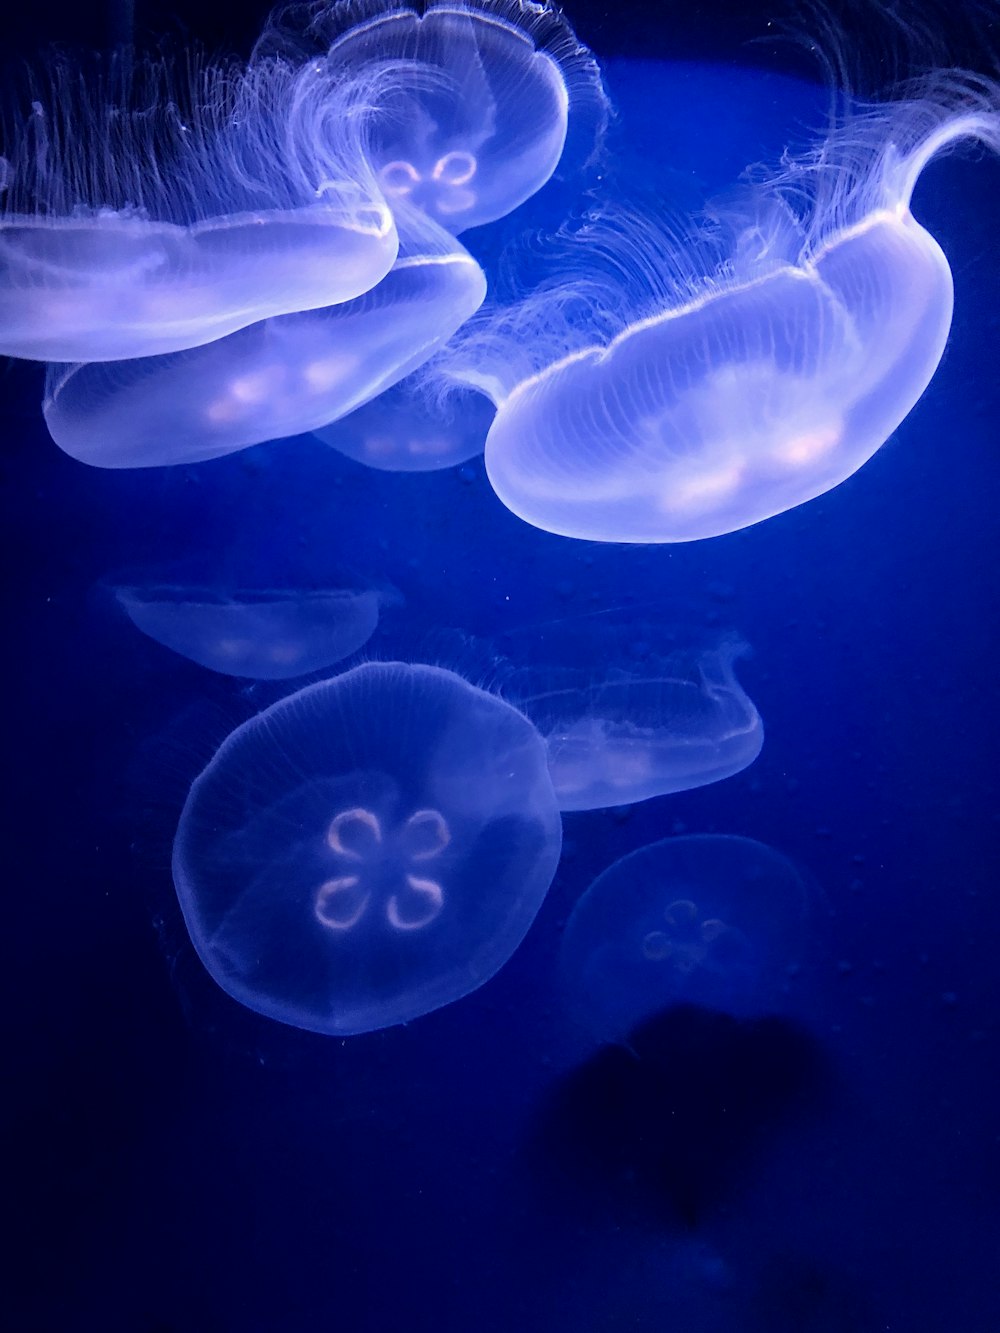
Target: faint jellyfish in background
<point>147,210</point>
<point>367,849</point>
<point>483,101</point>
<point>714,921</point>
<point>746,367</point>
<point>259,635</point>
<point>404,430</point>
<point>619,732</point>
<point>281,377</point>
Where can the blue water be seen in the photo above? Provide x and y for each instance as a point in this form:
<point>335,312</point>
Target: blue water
<point>179,1164</point>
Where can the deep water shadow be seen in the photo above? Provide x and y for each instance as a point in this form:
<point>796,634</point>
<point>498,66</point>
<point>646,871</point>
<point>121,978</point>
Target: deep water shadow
<point>664,1129</point>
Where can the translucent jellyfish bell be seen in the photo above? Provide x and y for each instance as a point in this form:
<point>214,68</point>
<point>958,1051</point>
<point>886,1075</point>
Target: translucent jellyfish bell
<point>618,734</point>
<point>709,920</point>
<point>771,369</point>
<point>477,114</point>
<point>260,635</point>
<point>404,430</point>
<point>150,212</point>
<point>368,849</point>
<point>280,377</point>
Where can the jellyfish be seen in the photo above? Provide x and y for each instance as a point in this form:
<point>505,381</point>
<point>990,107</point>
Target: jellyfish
<point>271,634</point>
<point>367,849</point>
<point>404,430</point>
<point>715,921</point>
<point>150,211</point>
<point>283,376</point>
<point>617,733</point>
<point>482,97</point>
<point>765,358</point>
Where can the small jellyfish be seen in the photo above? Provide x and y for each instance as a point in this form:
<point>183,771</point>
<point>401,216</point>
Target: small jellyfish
<point>714,921</point>
<point>367,849</point>
<point>404,431</point>
<point>146,212</point>
<point>764,360</point>
<point>482,96</point>
<point>259,635</point>
<point>618,734</point>
<point>280,377</point>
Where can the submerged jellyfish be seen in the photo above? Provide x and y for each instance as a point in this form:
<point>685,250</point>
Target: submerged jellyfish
<point>404,431</point>
<point>768,369</point>
<point>481,96</point>
<point>617,734</point>
<point>709,920</point>
<point>280,377</point>
<point>368,849</point>
<point>260,635</point>
<point>147,212</point>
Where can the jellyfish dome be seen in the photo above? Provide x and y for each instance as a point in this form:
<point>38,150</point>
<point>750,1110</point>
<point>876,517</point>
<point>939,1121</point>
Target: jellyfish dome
<point>714,921</point>
<point>281,377</point>
<point>404,430</point>
<point>771,366</point>
<point>367,849</point>
<point>145,212</point>
<point>260,635</point>
<point>481,100</point>
<point>621,734</point>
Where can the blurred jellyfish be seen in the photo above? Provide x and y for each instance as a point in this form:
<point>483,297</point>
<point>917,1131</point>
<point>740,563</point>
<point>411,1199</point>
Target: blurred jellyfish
<point>616,734</point>
<point>482,98</point>
<point>763,360</point>
<point>404,430</point>
<point>160,209</point>
<point>368,849</point>
<point>280,377</point>
<point>712,921</point>
<point>260,635</point>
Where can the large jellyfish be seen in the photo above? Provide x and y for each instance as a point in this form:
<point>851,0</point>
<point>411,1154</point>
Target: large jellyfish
<point>280,377</point>
<point>273,634</point>
<point>715,921</point>
<point>368,849</point>
<point>482,96</point>
<point>405,430</point>
<point>770,365</point>
<point>148,212</point>
<point>620,733</point>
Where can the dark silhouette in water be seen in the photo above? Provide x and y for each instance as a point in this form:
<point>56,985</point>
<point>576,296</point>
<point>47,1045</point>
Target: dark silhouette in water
<point>662,1128</point>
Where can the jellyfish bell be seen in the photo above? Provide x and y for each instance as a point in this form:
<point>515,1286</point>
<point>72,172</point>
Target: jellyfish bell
<point>146,212</point>
<point>368,849</point>
<point>620,733</point>
<point>273,634</point>
<point>405,430</point>
<point>715,921</point>
<point>782,349</point>
<point>283,376</point>
<point>490,96</point>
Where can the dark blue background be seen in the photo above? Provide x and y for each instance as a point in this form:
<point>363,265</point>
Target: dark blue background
<point>176,1165</point>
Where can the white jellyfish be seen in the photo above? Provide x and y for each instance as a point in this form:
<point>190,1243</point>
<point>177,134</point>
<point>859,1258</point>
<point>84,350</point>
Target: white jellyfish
<point>405,430</point>
<point>617,732</point>
<point>280,377</point>
<point>267,634</point>
<point>715,921</point>
<point>733,373</point>
<point>482,96</point>
<point>367,849</point>
<point>147,211</point>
